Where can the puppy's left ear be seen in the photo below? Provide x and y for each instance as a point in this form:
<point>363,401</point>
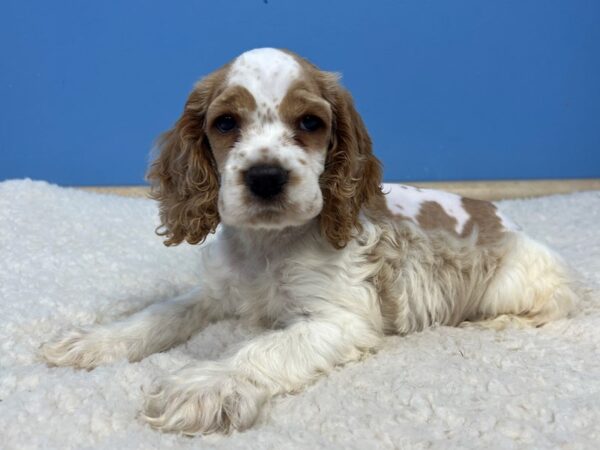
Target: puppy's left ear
<point>352,176</point>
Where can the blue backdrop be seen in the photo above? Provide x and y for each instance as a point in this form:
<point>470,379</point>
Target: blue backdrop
<point>464,89</point>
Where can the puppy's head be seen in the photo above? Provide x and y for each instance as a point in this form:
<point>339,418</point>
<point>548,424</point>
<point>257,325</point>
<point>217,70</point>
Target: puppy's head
<point>267,141</point>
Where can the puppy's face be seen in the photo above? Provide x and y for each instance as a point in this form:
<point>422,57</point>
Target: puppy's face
<point>268,141</point>
<point>269,130</point>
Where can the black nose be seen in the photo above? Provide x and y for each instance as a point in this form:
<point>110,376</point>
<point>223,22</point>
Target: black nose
<point>266,181</point>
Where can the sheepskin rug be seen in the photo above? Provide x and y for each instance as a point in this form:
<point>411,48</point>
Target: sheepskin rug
<point>72,258</point>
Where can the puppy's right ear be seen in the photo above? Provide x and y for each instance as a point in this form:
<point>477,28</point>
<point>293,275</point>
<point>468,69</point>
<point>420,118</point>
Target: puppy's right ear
<point>184,177</point>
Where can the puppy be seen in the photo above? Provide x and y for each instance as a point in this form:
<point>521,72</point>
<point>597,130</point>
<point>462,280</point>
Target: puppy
<point>271,155</point>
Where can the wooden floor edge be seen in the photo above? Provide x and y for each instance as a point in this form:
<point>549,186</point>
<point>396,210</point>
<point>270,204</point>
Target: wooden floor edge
<point>485,190</point>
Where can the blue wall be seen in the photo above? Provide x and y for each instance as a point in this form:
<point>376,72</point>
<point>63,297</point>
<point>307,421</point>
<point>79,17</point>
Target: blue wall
<point>449,89</point>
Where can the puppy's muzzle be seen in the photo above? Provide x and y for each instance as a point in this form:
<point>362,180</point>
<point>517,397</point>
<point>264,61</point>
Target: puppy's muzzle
<point>266,181</point>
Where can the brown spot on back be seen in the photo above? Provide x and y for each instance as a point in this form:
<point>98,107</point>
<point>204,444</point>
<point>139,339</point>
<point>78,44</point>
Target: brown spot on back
<point>432,216</point>
<point>484,218</point>
<point>378,211</point>
<point>482,214</point>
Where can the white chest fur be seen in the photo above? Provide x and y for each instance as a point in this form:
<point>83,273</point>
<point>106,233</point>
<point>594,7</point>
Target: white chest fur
<point>292,280</point>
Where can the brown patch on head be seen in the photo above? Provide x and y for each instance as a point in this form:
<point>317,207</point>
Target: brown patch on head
<point>433,216</point>
<point>235,101</point>
<point>352,176</point>
<point>184,176</point>
<point>483,217</point>
<point>304,99</point>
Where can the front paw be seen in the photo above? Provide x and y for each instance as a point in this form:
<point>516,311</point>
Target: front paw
<point>82,349</point>
<point>203,401</point>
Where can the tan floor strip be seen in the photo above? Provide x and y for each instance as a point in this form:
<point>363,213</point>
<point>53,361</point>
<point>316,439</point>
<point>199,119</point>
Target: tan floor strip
<point>485,190</point>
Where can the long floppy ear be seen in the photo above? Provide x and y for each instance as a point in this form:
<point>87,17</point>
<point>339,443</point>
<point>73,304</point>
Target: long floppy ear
<point>183,177</point>
<point>352,176</point>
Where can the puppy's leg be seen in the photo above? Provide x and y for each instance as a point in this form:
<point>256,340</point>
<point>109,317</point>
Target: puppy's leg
<point>154,329</point>
<point>533,286</point>
<point>226,395</point>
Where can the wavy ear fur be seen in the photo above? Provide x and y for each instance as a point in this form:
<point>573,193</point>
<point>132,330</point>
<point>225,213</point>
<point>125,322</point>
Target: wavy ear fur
<point>184,177</point>
<point>352,176</point>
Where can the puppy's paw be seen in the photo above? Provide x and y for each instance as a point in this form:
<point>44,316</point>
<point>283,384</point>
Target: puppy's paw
<point>82,349</point>
<point>502,322</point>
<point>203,401</point>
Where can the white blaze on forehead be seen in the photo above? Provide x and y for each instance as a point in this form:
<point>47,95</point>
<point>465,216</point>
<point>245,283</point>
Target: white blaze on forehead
<point>266,72</point>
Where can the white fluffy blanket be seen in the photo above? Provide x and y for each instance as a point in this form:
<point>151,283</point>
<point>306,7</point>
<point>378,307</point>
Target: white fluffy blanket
<point>70,258</point>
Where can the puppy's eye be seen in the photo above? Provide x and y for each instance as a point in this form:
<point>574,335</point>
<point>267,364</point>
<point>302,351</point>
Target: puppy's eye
<point>310,123</point>
<point>225,123</point>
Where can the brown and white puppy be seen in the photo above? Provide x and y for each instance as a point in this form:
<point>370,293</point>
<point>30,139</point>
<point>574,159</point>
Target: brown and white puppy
<point>271,155</point>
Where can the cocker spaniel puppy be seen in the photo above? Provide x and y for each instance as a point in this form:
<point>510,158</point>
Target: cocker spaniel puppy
<point>271,154</point>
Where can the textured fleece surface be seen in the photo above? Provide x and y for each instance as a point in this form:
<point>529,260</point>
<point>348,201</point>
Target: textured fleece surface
<point>71,258</point>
